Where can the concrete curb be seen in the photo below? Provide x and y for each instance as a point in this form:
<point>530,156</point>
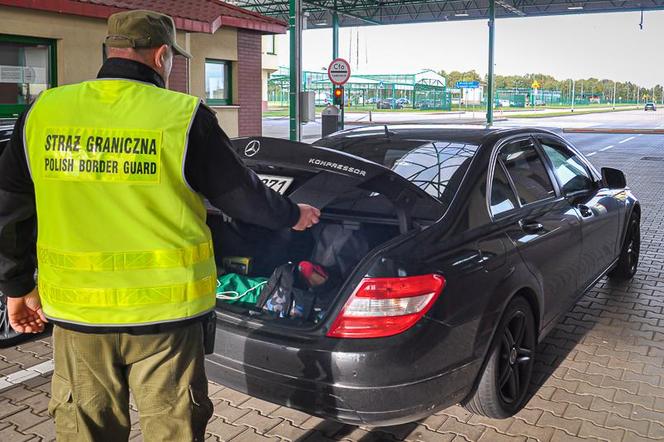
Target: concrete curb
<point>26,374</point>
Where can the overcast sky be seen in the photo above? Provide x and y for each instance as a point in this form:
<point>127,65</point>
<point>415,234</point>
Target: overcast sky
<point>607,46</point>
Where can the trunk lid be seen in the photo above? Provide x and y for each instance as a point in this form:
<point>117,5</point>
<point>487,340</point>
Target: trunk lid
<point>323,176</point>
<point>374,202</point>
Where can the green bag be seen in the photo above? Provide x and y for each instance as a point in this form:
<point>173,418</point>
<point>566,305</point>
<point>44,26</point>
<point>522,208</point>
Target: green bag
<point>238,289</point>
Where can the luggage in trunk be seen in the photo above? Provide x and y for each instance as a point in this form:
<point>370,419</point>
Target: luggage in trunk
<point>334,245</point>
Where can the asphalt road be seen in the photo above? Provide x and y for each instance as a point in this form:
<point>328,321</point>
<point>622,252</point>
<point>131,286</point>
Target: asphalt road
<point>597,144</point>
<point>637,119</point>
<point>600,147</point>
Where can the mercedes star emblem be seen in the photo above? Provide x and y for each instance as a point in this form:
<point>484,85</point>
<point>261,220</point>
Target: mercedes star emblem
<point>252,148</point>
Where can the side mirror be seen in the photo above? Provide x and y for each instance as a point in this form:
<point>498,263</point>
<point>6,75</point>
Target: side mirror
<point>613,178</point>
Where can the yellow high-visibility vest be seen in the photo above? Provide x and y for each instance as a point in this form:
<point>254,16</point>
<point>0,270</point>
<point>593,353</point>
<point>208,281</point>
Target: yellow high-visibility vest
<point>122,238</point>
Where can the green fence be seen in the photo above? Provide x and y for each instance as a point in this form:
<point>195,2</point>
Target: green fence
<point>426,97</point>
<point>521,97</point>
<point>372,91</point>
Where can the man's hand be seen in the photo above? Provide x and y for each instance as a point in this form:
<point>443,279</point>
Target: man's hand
<point>25,314</point>
<point>308,217</point>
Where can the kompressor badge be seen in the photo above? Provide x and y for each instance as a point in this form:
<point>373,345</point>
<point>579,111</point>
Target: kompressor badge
<point>337,166</point>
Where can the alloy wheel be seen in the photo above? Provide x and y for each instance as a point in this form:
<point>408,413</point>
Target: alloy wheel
<point>515,358</point>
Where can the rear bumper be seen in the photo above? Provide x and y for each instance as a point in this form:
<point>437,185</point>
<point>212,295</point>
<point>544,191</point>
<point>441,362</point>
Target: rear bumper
<point>373,385</point>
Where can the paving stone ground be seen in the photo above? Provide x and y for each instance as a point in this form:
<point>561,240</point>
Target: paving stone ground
<point>599,376</point>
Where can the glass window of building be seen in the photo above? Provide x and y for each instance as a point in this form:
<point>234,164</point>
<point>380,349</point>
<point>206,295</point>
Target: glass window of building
<point>27,67</point>
<point>217,82</point>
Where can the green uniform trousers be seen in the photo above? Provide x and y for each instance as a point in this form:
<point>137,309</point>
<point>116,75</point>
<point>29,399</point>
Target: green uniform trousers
<point>94,374</point>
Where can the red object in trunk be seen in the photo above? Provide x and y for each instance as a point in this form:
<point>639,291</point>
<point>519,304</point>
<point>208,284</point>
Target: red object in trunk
<point>314,274</point>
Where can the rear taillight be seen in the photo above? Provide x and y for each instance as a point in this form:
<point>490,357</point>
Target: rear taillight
<point>382,307</point>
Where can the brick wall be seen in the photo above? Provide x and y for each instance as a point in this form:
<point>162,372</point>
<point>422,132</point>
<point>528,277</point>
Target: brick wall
<point>179,79</point>
<point>249,82</point>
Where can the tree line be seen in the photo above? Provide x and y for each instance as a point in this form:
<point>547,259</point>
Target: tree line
<point>625,91</point>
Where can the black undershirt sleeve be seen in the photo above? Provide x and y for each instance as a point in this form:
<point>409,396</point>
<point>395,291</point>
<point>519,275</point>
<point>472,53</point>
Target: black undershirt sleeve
<point>17,218</point>
<point>14,172</point>
<point>213,169</point>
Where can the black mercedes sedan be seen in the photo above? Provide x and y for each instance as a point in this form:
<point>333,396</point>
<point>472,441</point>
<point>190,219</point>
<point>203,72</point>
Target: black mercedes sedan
<point>454,251</point>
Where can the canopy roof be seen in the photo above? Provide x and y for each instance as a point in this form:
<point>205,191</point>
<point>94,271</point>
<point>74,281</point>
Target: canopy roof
<point>385,12</point>
<point>188,15</point>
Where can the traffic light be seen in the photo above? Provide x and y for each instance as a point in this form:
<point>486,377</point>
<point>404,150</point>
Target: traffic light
<point>338,96</point>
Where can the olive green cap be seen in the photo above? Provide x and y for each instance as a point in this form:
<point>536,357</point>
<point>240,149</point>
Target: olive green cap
<point>142,29</point>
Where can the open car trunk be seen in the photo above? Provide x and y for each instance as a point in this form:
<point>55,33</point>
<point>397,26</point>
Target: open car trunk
<point>363,205</point>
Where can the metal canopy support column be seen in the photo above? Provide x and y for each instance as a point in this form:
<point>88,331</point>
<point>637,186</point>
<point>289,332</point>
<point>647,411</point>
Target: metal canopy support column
<point>335,55</point>
<point>295,31</point>
<point>492,29</point>
<point>335,35</point>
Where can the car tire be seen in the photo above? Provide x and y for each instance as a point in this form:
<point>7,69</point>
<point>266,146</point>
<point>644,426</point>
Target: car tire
<point>503,385</point>
<point>628,261</point>
<point>8,336</point>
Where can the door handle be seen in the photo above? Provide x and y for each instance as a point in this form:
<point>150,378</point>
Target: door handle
<point>531,226</point>
<point>585,210</point>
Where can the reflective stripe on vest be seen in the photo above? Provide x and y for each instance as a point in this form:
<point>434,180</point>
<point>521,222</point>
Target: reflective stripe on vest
<point>157,304</point>
<point>116,261</point>
<point>122,238</point>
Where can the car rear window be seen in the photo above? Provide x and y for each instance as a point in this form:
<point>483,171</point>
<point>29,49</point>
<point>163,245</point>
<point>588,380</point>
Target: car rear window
<point>436,167</point>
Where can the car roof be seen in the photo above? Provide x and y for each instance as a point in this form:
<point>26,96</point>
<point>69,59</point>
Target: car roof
<point>468,134</point>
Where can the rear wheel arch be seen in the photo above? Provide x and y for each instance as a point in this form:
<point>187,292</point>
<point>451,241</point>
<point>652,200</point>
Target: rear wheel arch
<point>634,210</point>
<point>627,262</point>
<point>482,398</point>
<point>530,296</point>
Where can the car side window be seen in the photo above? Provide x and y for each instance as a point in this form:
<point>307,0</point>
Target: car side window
<point>527,171</point>
<point>568,167</point>
<point>503,198</point>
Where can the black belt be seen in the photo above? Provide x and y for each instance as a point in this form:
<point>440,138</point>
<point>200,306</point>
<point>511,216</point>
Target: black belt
<point>132,330</point>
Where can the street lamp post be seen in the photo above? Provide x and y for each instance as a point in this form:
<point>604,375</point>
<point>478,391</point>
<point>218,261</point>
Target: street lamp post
<point>492,30</point>
<point>614,95</point>
<point>295,77</point>
<point>573,93</point>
